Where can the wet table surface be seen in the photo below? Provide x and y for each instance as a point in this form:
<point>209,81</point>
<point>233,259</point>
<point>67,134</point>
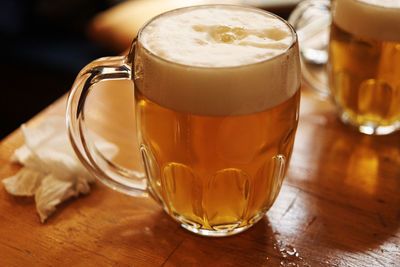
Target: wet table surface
<point>339,206</point>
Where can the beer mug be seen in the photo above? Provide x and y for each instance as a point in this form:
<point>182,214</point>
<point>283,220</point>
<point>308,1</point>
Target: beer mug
<point>361,54</point>
<point>217,106</point>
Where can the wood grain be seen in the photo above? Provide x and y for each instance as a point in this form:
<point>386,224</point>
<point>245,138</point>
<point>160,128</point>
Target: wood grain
<point>339,206</point>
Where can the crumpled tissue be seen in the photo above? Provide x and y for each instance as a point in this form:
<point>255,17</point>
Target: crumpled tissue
<point>51,172</point>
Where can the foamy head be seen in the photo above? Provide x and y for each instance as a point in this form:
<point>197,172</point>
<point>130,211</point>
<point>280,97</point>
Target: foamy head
<point>217,60</point>
<point>217,36</point>
<point>376,19</point>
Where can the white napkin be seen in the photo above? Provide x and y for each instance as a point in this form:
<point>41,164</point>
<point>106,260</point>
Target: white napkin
<point>52,173</point>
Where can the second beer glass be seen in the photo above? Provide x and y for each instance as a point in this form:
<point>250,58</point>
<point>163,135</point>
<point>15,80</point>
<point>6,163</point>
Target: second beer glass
<point>364,65</point>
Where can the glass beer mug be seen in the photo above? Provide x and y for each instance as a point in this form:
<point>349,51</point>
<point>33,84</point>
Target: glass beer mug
<point>217,107</point>
<point>362,52</point>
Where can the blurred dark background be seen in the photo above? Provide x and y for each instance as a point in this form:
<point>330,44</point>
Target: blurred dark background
<point>44,47</point>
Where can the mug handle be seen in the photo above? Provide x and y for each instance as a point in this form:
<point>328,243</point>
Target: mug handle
<point>123,180</point>
<point>311,19</point>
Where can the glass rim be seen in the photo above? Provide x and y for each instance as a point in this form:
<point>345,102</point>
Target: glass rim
<point>290,46</point>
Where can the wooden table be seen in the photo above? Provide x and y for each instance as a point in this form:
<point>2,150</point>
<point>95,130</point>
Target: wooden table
<point>339,206</point>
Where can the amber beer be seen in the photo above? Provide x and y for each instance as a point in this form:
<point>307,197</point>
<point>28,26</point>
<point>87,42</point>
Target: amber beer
<point>365,63</point>
<point>217,102</point>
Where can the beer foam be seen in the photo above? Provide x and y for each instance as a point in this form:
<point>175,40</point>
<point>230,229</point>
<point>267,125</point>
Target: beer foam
<point>216,37</point>
<point>228,60</point>
<point>376,19</point>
